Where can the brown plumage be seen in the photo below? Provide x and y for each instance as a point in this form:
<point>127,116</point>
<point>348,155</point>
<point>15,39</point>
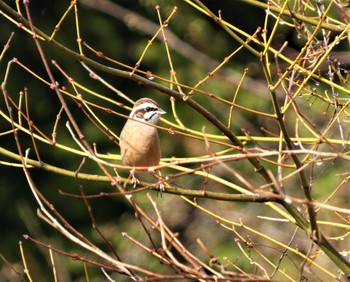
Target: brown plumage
<point>139,142</point>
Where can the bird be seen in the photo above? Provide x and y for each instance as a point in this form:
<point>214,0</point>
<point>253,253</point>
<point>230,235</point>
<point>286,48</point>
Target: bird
<point>139,140</point>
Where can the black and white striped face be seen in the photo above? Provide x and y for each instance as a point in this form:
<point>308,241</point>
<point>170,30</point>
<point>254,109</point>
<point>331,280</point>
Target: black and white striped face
<point>146,110</point>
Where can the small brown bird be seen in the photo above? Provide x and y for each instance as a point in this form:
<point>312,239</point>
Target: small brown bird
<point>139,142</point>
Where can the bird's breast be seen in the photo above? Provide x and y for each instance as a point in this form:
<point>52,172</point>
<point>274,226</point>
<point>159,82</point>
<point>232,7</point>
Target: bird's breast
<point>139,145</point>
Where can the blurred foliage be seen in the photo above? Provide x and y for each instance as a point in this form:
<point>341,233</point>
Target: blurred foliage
<point>118,36</point>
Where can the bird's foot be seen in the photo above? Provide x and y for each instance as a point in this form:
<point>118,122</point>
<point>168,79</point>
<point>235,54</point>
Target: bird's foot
<point>161,187</point>
<point>134,181</point>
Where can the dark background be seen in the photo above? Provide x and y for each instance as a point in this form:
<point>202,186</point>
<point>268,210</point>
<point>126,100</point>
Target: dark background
<point>111,34</point>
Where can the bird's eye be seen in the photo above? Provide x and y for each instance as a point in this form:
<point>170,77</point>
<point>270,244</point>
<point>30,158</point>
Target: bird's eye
<point>148,109</point>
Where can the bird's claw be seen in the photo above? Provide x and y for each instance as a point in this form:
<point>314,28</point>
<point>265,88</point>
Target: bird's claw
<point>161,187</point>
<point>134,181</point>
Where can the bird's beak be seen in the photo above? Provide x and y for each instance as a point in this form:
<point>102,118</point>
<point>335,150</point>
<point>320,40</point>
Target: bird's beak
<point>161,112</point>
